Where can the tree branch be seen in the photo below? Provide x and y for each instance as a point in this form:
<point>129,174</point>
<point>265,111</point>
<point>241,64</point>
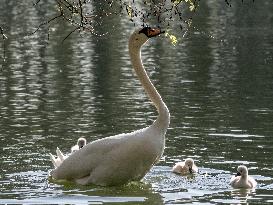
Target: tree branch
<point>2,33</point>
<point>4,47</point>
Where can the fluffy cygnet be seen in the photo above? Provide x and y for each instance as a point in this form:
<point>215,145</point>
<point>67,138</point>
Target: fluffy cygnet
<point>80,144</point>
<point>242,180</point>
<point>185,167</point>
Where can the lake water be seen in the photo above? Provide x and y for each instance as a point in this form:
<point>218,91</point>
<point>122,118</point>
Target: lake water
<point>217,82</point>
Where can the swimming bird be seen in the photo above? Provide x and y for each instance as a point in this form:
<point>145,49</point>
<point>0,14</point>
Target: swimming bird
<point>186,167</point>
<point>126,157</point>
<point>242,179</point>
<point>80,143</point>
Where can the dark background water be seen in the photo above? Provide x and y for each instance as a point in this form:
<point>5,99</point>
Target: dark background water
<point>217,82</point>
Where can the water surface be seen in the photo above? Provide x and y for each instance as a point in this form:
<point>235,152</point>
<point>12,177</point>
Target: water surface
<point>217,83</point>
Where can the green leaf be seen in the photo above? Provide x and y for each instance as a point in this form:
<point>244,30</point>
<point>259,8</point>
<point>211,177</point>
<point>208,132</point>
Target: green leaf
<point>172,38</point>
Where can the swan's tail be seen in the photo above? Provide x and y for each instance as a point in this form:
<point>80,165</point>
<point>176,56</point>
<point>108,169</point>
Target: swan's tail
<point>60,154</point>
<point>53,160</point>
<point>59,160</point>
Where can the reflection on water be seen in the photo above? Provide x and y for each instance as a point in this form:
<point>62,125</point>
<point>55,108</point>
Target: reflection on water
<point>217,83</point>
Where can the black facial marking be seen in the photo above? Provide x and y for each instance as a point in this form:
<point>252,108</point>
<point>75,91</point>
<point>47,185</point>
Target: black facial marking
<point>238,174</point>
<point>190,169</point>
<point>145,30</point>
<point>150,32</point>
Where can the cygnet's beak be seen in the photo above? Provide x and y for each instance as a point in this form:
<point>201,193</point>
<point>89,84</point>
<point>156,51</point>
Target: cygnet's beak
<point>238,174</point>
<point>190,170</point>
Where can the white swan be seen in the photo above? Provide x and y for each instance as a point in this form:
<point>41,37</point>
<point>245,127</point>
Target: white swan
<point>60,158</point>
<point>80,143</point>
<point>242,180</point>
<point>125,157</point>
<point>185,167</point>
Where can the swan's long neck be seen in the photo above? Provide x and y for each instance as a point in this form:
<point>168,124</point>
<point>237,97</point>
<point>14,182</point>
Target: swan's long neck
<point>244,178</point>
<point>163,119</point>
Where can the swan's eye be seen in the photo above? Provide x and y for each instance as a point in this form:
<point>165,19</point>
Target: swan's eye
<point>136,39</point>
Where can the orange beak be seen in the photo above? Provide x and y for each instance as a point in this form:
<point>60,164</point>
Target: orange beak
<point>151,32</point>
<point>154,32</point>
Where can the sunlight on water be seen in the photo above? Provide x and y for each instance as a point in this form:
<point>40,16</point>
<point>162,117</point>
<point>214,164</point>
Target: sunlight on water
<point>160,185</point>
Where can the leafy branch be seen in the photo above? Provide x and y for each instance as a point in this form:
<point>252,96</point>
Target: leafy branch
<point>2,33</point>
<point>84,18</point>
<point>228,2</point>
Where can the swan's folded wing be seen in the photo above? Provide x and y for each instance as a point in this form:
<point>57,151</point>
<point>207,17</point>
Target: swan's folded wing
<point>113,159</point>
<point>81,163</point>
<point>252,182</point>
<point>234,180</point>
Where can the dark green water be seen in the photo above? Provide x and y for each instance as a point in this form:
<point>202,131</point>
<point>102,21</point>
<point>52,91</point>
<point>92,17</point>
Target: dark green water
<point>217,82</point>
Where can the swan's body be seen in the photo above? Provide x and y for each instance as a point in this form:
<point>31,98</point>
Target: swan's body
<point>80,143</point>
<point>125,157</point>
<point>242,180</point>
<point>186,167</point>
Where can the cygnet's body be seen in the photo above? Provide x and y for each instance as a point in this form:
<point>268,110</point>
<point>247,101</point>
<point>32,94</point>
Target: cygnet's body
<point>186,167</point>
<point>242,180</point>
<point>80,144</point>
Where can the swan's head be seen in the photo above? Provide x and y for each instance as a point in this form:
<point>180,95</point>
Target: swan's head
<point>81,142</point>
<point>189,164</point>
<point>242,171</point>
<point>140,36</point>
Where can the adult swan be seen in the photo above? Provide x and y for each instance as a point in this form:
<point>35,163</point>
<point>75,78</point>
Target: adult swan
<point>125,157</point>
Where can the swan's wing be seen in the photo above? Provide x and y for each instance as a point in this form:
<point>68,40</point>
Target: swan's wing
<point>124,154</point>
<point>252,182</point>
<point>234,180</point>
<point>81,163</point>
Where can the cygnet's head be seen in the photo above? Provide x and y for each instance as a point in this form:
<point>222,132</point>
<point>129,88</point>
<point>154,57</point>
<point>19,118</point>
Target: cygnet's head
<point>189,163</point>
<point>140,36</point>
<point>81,142</point>
<point>242,171</point>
